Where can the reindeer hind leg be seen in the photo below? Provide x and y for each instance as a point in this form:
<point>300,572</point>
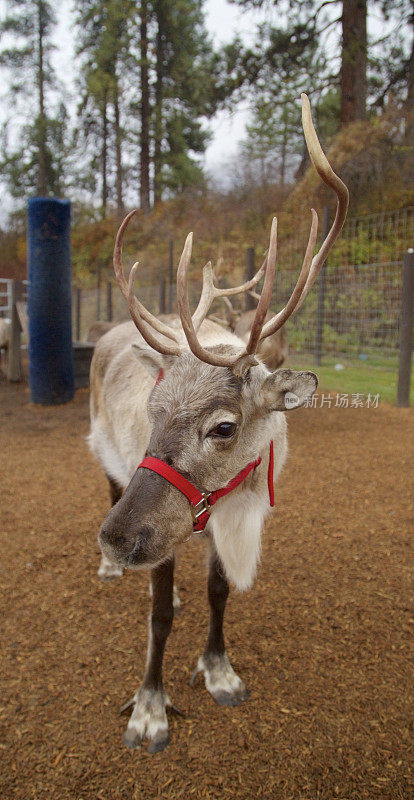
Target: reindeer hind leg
<point>225,687</point>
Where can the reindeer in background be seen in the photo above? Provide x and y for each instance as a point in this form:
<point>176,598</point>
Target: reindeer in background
<point>273,350</point>
<point>197,405</point>
<point>5,328</point>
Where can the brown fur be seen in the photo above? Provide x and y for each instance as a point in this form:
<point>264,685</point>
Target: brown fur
<point>98,329</point>
<point>273,350</point>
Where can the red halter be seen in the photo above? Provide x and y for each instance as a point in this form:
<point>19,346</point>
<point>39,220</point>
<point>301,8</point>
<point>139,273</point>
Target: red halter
<point>202,502</point>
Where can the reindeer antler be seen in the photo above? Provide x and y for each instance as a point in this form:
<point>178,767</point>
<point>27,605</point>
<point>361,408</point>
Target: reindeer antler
<point>210,292</point>
<point>142,318</point>
<point>147,324</point>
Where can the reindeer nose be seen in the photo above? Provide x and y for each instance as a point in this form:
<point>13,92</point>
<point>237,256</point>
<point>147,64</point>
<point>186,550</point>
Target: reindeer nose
<point>140,550</point>
<point>110,536</point>
<point>120,543</point>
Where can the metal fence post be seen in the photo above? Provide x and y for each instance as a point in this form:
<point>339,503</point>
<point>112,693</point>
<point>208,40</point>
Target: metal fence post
<point>14,369</point>
<point>249,300</point>
<point>109,301</point>
<point>321,295</point>
<point>98,294</point>
<point>77,313</point>
<point>171,277</point>
<point>406,330</point>
<point>162,295</point>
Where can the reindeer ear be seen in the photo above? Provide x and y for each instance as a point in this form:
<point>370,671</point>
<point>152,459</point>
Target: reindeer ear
<point>286,389</point>
<point>152,360</point>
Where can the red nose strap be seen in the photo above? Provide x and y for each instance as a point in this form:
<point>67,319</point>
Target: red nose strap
<point>202,502</point>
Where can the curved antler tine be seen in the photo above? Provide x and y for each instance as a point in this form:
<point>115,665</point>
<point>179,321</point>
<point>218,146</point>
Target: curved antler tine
<point>210,292</point>
<point>266,294</point>
<point>144,329</point>
<point>329,177</point>
<point>254,295</point>
<point>117,261</point>
<point>310,267</point>
<point>318,157</point>
<point>228,303</point>
<point>217,359</point>
<point>182,295</point>
<point>207,297</point>
<point>244,287</point>
<point>232,313</point>
<point>137,310</point>
<point>279,319</point>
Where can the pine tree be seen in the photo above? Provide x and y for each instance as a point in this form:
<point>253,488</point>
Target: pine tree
<point>144,109</point>
<point>37,166</point>
<point>353,73</point>
<point>184,91</point>
<point>366,71</point>
<point>104,46</point>
<point>276,70</point>
<point>152,65</point>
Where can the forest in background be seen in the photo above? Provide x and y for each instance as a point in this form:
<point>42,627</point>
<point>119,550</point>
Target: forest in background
<point>148,80</point>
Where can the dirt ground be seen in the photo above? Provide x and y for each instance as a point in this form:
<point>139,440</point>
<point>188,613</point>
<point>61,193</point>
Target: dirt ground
<point>322,639</point>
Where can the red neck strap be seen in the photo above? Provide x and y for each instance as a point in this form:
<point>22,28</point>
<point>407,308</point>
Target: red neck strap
<point>202,502</point>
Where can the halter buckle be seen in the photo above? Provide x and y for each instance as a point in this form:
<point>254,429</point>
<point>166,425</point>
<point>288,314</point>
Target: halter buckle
<point>205,507</point>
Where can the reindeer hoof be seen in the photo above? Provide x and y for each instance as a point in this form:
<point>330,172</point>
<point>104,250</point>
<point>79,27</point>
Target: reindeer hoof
<point>158,744</point>
<point>228,699</point>
<point>222,683</point>
<point>148,720</point>
<point>108,578</point>
<point>176,601</point>
<point>127,705</point>
<point>132,740</point>
<point>194,675</point>
<point>108,571</point>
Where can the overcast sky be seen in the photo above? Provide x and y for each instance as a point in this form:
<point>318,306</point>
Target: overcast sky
<point>223,20</point>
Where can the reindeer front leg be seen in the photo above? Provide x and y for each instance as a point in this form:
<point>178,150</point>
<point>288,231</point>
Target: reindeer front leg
<point>107,570</point>
<point>149,718</point>
<point>224,685</point>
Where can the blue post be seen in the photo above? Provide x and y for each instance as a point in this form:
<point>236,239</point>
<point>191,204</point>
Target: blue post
<point>51,374</point>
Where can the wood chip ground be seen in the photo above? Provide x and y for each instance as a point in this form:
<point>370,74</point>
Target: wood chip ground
<point>323,639</point>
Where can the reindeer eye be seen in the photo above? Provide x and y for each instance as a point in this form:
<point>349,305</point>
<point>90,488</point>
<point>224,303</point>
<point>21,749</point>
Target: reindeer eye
<point>225,429</point>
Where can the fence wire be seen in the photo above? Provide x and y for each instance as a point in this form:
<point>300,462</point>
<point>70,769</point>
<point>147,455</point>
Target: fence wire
<point>360,312</point>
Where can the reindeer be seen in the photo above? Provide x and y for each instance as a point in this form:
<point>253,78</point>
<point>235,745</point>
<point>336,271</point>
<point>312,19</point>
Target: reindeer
<point>272,350</point>
<point>5,327</point>
<point>98,329</point>
<point>205,415</point>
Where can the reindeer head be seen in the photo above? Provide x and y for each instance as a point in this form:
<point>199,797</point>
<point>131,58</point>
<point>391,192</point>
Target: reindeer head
<point>217,407</point>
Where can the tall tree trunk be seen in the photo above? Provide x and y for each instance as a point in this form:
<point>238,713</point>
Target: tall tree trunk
<point>104,156</point>
<point>283,159</point>
<point>409,103</point>
<point>41,127</point>
<point>118,156</point>
<point>354,61</point>
<point>158,103</point>
<point>145,113</point>
<point>304,163</point>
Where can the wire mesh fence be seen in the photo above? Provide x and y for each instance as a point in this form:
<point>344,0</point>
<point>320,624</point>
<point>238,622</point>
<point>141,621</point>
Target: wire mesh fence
<point>6,295</point>
<point>356,302</point>
<point>352,311</point>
